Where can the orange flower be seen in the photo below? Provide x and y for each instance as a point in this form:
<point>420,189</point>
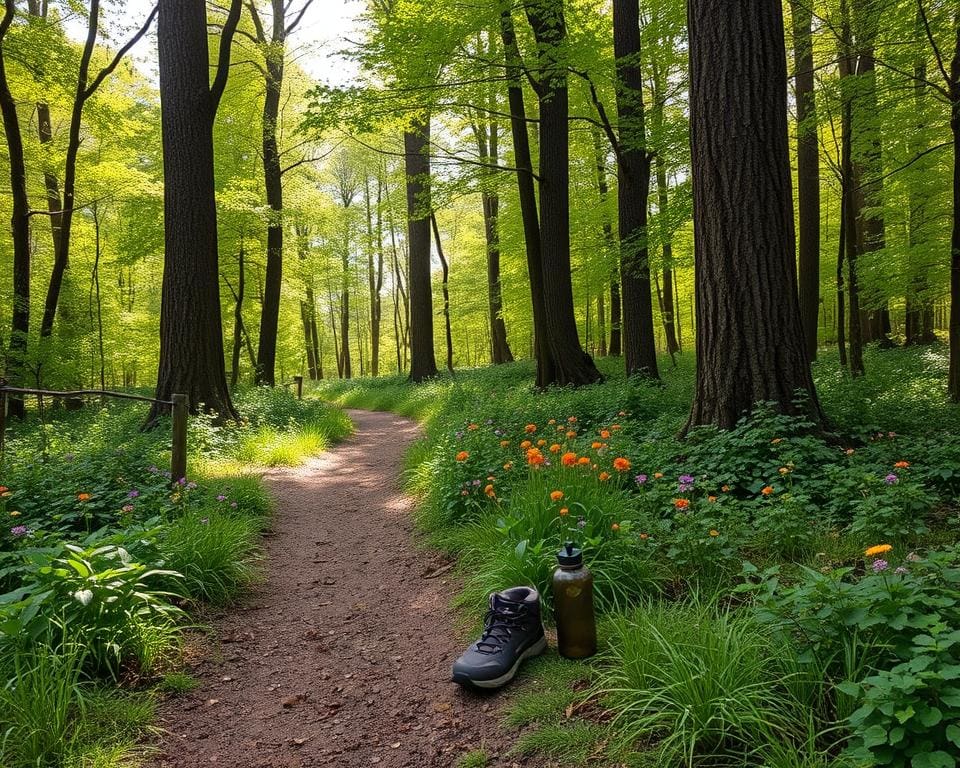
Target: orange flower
<point>541,442</point>
<point>504,443</point>
<point>644,536</point>
<point>508,466</point>
<point>605,434</point>
<point>711,499</point>
<point>849,451</point>
<point>571,434</point>
<point>767,490</point>
<point>84,497</point>
<point>784,471</point>
<point>879,549</point>
<point>725,488</point>
<point>534,457</point>
<point>556,495</point>
<point>552,422</point>
<point>530,429</point>
<point>615,427</point>
<point>681,503</point>
<point>622,413</point>
<point>525,444</point>
<point>902,464</point>
<point>489,490</point>
<point>777,440</point>
<point>604,476</point>
<point>615,527</point>
<point>473,427</point>
<point>555,448</point>
<point>621,464</point>
<point>657,475</point>
<point>583,461</point>
<point>560,428</point>
<point>714,532</point>
<point>572,419</point>
<point>595,445</point>
<point>568,459</point>
<point>564,512</point>
<point>3,489</point>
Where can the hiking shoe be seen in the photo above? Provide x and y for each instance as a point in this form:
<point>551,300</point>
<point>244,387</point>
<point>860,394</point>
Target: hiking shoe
<point>512,632</point>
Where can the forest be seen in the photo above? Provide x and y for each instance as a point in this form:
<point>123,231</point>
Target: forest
<point>676,281</point>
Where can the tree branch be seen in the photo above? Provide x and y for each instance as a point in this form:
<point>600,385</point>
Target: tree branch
<point>604,120</point>
<point>933,44</point>
<point>223,57</point>
<point>293,24</point>
<point>108,70</point>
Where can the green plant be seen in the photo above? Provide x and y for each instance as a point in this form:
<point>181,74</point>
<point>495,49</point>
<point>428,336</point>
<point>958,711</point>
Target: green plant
<point>215,553</point>
<point>695,683</point>
<point>97,598</point>
<point>476,758</point>
<point>178,683</point>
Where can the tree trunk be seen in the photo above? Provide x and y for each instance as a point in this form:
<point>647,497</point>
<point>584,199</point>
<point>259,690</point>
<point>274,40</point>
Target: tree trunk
<point>19,226</point>
<point>606,229</point>
<point>633,190</point>
<point>191,334</point>
<point>841,261</point>
<point>238,319</point>
<point>376,285</point>
<point>850,180</point>
<point>808,173</point>
<point>523,161</point>
<point>488,139</point>
<point>750,344</point>
<point>667,310</point>
<point>571,365</point>
<point>416,142</point>
<point>274,51</point>
<point>616,345</point>
<point>446,292</point>
<point>954,372</point>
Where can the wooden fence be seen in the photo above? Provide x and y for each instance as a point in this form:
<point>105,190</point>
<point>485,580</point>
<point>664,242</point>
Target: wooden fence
<point>179,405</point>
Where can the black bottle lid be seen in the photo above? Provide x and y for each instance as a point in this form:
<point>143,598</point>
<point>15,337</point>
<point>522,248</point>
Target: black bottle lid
<point>570,556</point>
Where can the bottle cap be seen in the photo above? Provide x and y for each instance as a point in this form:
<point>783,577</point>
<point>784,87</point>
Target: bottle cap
<point>570,556</point>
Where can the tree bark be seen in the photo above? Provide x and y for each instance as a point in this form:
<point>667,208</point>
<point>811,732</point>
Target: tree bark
<point>633,190</point>
<point>19,226</point>
<point>667,310</point>
<point>376,284</point>
<point>750,344</point>
<point>446,292</point>
<point>606,229</point>
<point>954,371</point>
<point>191,334</point>
<point>416,142</point>
<point>238,318</point>
<point>616,341</point>
<point>529,215</point>
<point>571,365</point>
<point>808,172</point>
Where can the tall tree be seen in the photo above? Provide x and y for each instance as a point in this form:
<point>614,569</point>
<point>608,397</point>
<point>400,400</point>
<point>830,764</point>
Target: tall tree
<point>416,142</point>
<point>570,364</point>
<point>191,335</point>
<point>633,190</point>
<point>19,222</point>
<point>750,344</point>
<point>808,172</point>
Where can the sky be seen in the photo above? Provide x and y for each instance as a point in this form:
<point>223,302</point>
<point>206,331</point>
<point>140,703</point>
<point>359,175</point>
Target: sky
<point>322,32</point>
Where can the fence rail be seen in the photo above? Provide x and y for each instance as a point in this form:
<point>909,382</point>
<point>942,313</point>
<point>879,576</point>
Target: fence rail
<point>179,407</point>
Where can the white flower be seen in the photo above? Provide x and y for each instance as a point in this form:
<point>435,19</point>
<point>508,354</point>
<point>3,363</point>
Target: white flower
<point>83,596</point>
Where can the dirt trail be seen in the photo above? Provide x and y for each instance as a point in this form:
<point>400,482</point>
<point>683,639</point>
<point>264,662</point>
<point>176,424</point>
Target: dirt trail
<point>342,656</point>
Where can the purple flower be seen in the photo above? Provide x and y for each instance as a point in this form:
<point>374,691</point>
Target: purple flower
<point>901,570</point>
<point>19,530</point>
<point>686,483</point>
<point>221,497</point>
<point>880,565</point>
<point>476,483</point>
<point>641,479</point>
<point>182,481</point>
<point>133,494</point>
<point>891,479</point>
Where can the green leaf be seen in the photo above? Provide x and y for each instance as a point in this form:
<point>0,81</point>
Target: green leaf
<point>938,759</point>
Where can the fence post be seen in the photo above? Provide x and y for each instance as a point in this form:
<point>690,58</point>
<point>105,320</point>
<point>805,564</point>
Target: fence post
<point>299,380</point>
<point>178,456</point>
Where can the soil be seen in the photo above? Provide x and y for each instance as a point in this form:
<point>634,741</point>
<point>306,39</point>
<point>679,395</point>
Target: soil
<point>341,656</point>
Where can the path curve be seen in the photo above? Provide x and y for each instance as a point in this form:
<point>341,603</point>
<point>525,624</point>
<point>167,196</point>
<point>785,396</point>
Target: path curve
<point>342,656</point>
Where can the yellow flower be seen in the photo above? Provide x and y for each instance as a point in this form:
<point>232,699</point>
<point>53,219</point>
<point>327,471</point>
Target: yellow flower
<point>552,422</point>
<point>508,466</point>
<point>784,471</point>
<point>14,513</point>
<point>714,532</point>
<point>504,443</point>
<point>879,549</point>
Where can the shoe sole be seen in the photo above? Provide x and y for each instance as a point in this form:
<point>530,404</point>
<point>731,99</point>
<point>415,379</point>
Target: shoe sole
<point>534,650</point>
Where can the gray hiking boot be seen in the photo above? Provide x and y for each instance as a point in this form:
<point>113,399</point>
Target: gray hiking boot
<point>512,632</point>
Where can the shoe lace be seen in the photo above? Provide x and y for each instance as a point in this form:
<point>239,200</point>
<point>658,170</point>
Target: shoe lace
<point>499,623</point>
